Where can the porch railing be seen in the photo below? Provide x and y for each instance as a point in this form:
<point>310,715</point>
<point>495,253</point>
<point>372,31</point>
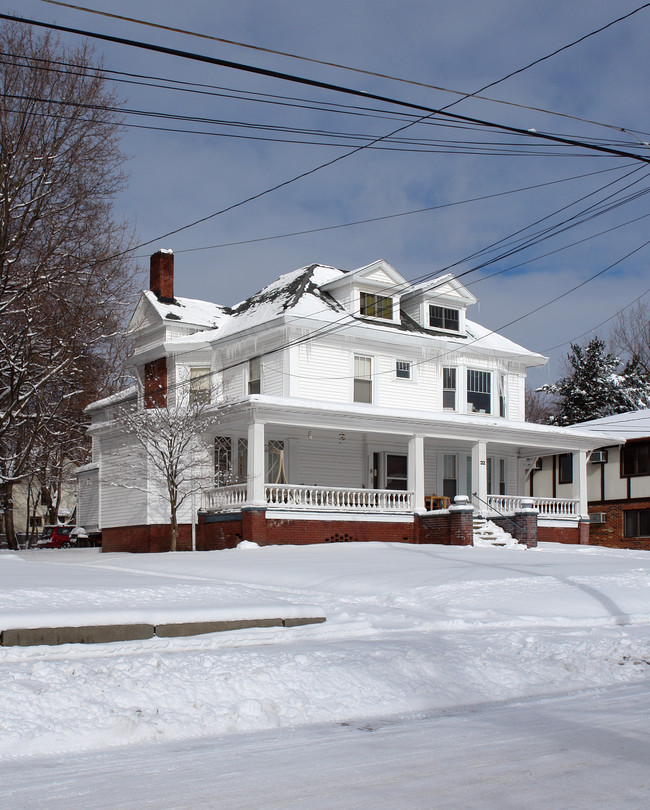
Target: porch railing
<point>547,507</point>
<point>303,497</point>
<point>229,497</point>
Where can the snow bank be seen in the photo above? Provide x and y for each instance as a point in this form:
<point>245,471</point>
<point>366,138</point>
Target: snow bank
<point>410,628</point>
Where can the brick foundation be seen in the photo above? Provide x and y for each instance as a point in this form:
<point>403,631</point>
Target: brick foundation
<point>152,538</point>
<point>558,534</point>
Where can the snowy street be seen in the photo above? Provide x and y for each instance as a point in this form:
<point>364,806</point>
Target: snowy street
<point>442,677</point>
<point>579,751</point>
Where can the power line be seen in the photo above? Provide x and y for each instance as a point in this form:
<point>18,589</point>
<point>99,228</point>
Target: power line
<point>374,73</point>
<point>333,87</point>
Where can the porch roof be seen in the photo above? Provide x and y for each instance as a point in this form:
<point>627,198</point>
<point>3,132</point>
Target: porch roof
<point>525,438</point>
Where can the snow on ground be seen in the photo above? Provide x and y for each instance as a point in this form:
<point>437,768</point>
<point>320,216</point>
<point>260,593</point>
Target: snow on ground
<point>409,629</point>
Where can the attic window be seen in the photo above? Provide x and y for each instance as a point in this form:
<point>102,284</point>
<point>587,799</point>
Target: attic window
<point>376,306</point>
<point>444,318</point>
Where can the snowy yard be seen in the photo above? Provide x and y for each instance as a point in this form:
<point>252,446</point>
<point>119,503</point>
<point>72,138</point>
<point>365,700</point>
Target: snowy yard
<point>411,631</point>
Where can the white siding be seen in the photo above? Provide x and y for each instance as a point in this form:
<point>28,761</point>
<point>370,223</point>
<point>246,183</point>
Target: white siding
<point>331,462</point>
<point>326,372</point>
<point>123,483</point>
<point>272,378</point>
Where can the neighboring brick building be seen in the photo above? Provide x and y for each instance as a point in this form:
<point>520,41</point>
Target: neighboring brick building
<point>618,482</point>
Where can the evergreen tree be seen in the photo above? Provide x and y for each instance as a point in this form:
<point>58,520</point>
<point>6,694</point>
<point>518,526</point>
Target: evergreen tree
<point>598,385</point>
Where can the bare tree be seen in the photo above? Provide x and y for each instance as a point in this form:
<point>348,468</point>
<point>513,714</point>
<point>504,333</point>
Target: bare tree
<point>630,334</point>
<point>539,407</point>
<point>167,461</point>
<point>63,283</point>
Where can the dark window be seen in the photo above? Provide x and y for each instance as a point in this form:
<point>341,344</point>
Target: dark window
<point>636,459</point>
<point>565,468</point>
<point>449,389</point>
<point>376,306</point>
<point>637,523</point>
<point>396,472</point>
<point>478,391</point>
<point>444,318</point>
<point>403,369</point>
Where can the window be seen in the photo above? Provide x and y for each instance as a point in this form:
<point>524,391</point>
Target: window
<point>449,389</point>
<point>376,306</point>
<point>222,461</point>
<point>635,459</point>
<point>403,369</point>
<point>478,391</point>
<point>449,477</point>
<point>396,472</point>
<point>496,476</point>
<point>502,395</point>
<point>275,467</point>
<point>242,459</point>
<point>565,468</point>
<point>444,318</point>
<point>362,379</point>
<point>200,385</point>
<point>255,375</point>
<point>637,523</point>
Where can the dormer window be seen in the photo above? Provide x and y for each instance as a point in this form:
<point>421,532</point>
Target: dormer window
<point>444,318</point>
<point>376,306</point>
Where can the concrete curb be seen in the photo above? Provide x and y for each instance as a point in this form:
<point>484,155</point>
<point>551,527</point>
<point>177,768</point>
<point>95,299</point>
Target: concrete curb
<point>102,634</point>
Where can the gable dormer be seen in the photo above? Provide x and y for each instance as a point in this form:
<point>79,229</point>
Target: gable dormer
<point>439,305</point>
<point>371,292</point>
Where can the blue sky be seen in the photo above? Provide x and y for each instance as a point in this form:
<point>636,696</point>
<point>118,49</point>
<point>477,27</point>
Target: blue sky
<point>456,44</point>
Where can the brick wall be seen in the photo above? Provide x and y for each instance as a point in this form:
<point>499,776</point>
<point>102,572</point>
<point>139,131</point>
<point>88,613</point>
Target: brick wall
<point>558,534</point>
<point>146,538</point>
<point>612,532</point>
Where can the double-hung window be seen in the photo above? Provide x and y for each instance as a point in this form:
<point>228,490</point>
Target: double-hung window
<point>376,306</point>
<point>200,385</point>
<point>449,389</point>
<point>444,318</point>
<point>479,391</point>
<point>502,395</point>
<point>362,378</point>
<point>255,375</point>
<point>565,468</point>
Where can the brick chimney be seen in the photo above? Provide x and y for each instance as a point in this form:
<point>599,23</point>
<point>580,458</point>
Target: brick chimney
<point>161,274</point>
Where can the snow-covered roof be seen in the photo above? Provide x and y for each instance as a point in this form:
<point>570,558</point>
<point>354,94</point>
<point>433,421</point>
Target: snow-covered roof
<point>625,426</point>
<point>304,293</point>
<point>191,311</point>
<point>113,399</point>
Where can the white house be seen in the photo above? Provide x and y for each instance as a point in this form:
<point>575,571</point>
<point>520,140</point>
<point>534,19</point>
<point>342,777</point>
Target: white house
<point>361,406</point>
<point>618,480</point>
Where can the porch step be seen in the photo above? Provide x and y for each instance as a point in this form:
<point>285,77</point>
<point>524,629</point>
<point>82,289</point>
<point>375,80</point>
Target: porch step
<point>487,533</point>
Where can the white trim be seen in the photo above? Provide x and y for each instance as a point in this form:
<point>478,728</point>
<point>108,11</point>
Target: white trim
<point>348,517</point>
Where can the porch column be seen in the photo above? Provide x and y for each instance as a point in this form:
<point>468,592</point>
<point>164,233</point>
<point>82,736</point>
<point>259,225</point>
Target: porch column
<point>255,471</point>
<point>415,471</point>
<point>580,480</point>
<point>479,476</point>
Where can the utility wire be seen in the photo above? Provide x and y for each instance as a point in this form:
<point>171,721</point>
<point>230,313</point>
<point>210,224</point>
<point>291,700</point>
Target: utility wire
<point>323,85</point>
<point>374,73</point>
